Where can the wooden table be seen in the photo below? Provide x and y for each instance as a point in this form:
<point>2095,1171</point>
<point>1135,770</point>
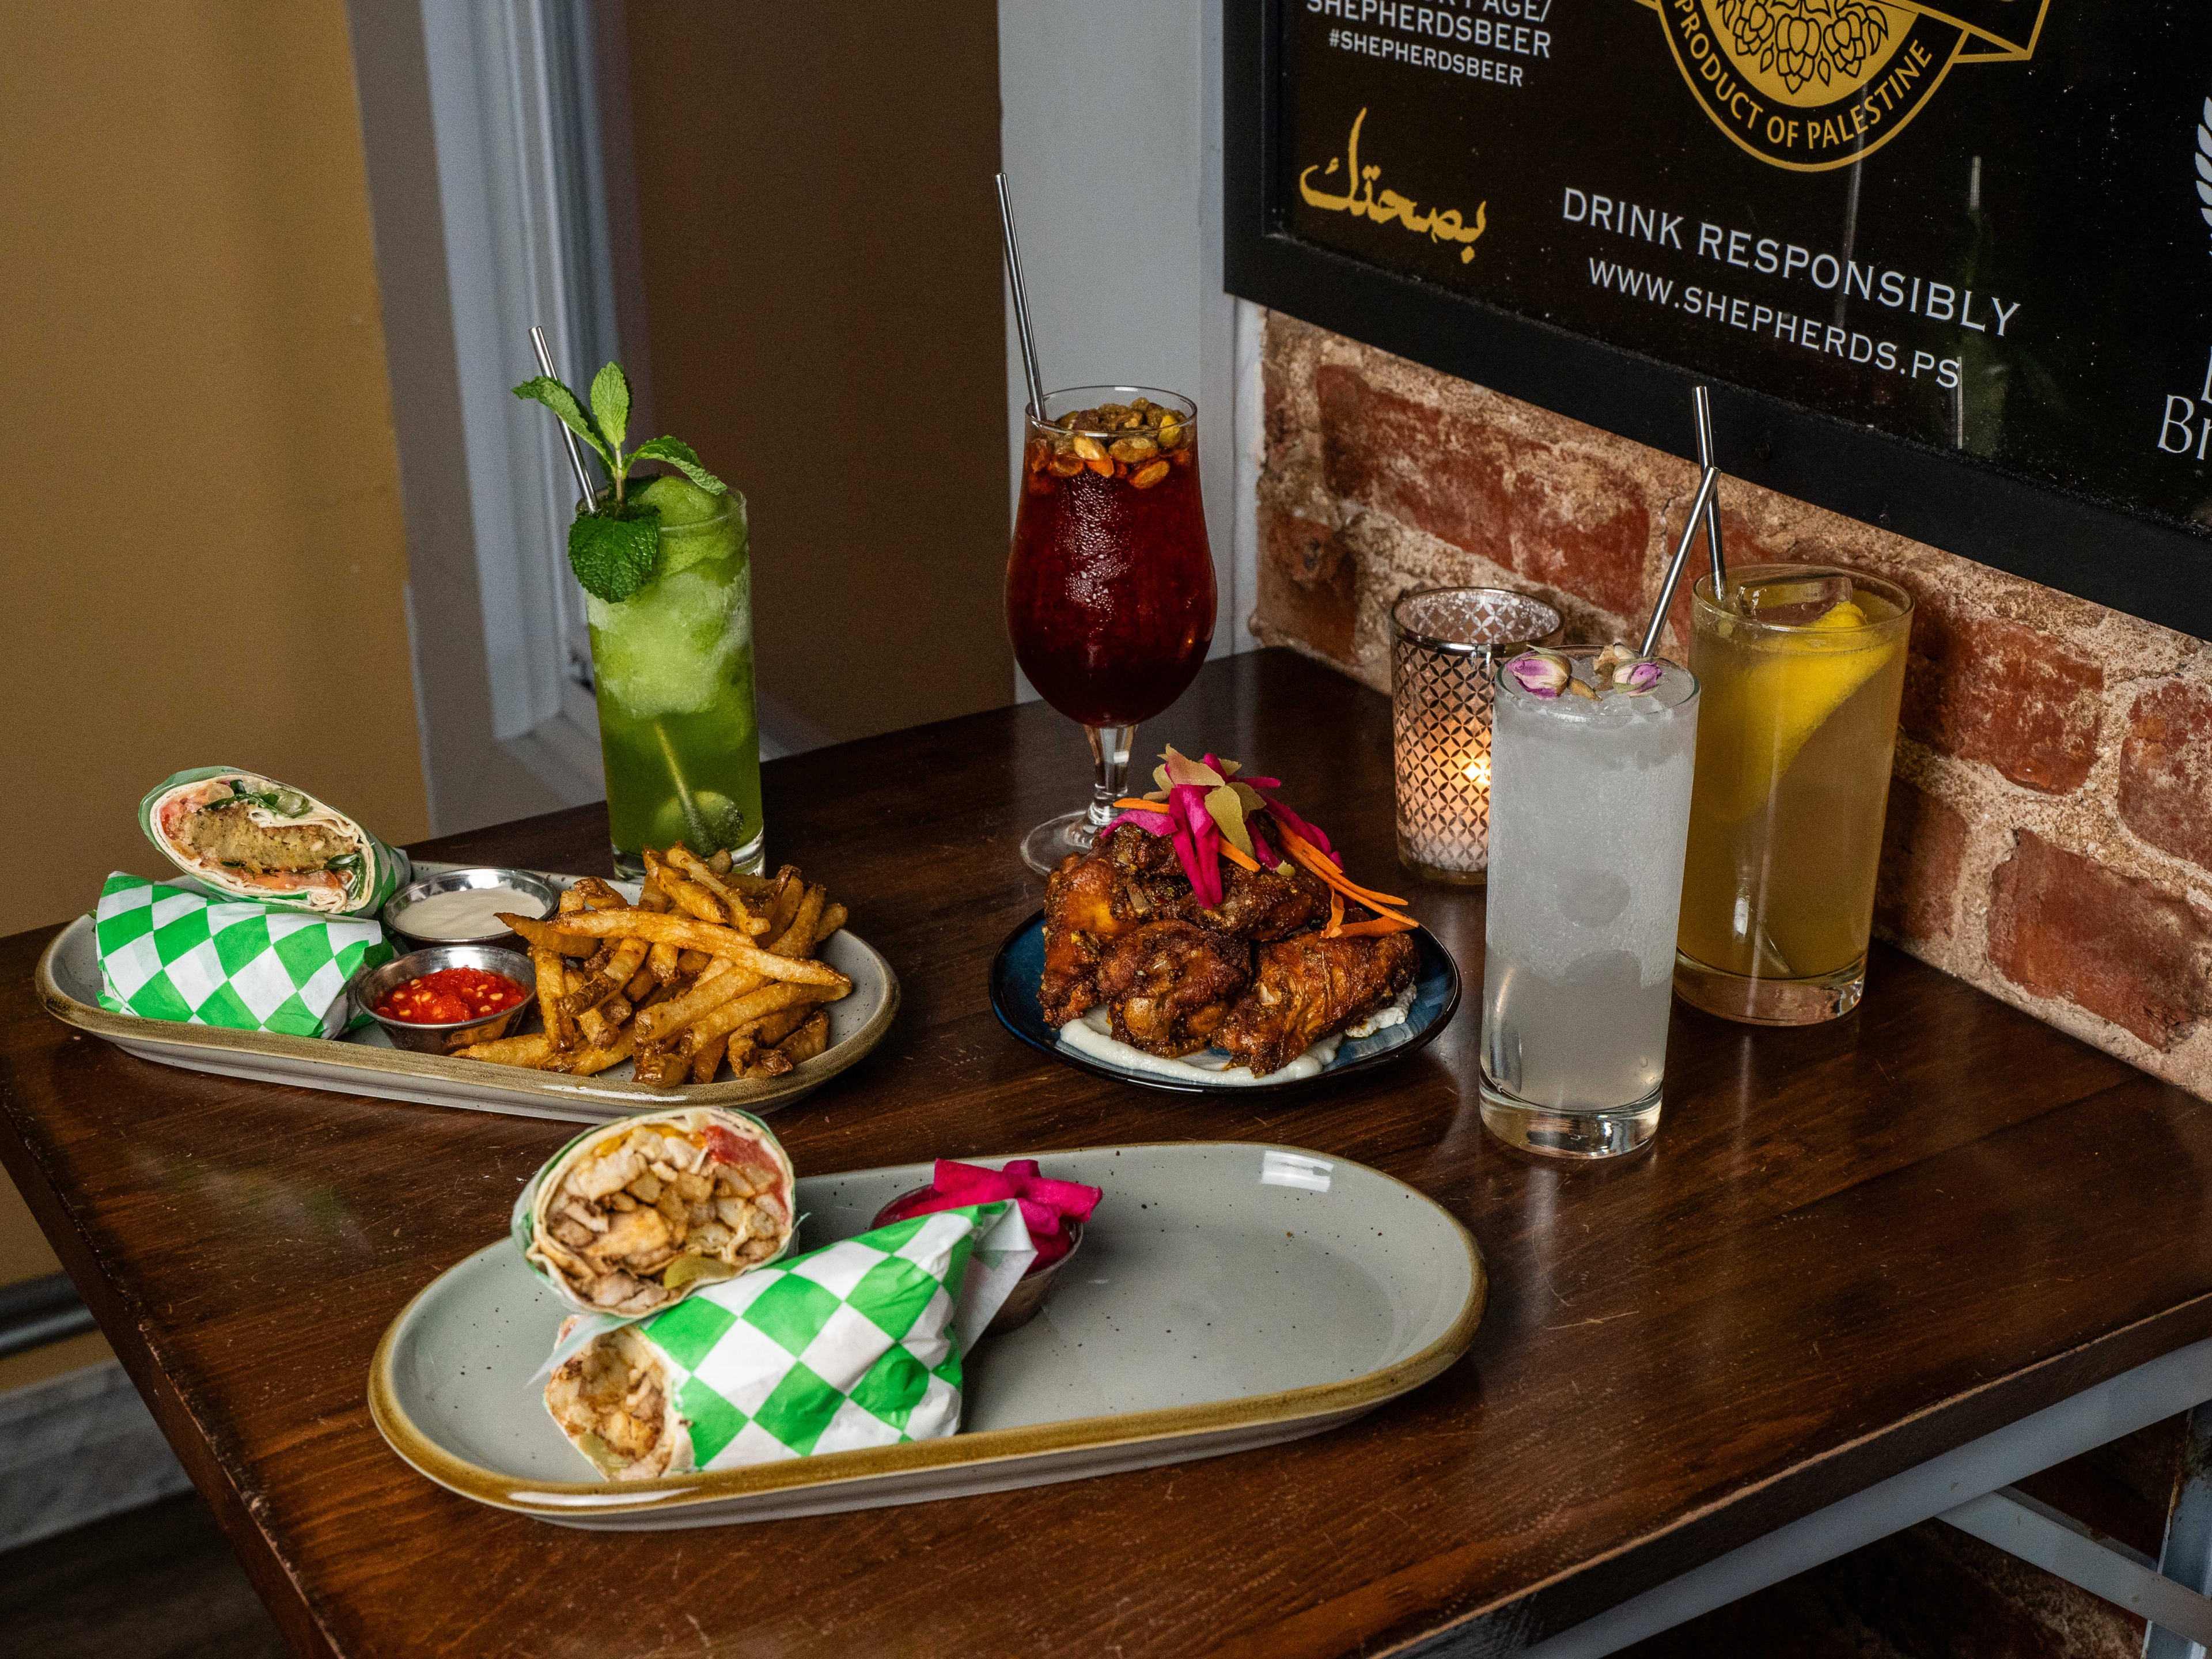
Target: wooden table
<point>1851,1248</point>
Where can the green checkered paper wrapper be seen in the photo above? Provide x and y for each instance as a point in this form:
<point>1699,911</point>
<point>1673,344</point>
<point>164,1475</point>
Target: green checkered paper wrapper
<point>860,1344</point>
<point>169,952</point>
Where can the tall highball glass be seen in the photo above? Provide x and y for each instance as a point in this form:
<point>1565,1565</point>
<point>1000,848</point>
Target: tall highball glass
<point>1590,806</point>
<point>1803,667</point>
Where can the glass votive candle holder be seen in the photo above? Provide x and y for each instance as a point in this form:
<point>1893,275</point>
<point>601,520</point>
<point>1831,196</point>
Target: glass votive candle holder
<point>1445,645</point>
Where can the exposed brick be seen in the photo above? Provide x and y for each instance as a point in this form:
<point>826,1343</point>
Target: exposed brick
<point>1283,429</point>
<point>1574,523</point>
<point>2064,926</point>
<point>1985,689</point>
<point>2165,793</point>
<point>1923,846</point>
<point>1307,583</point>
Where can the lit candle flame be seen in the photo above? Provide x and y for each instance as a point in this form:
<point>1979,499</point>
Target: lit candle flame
<point>1478,772</point>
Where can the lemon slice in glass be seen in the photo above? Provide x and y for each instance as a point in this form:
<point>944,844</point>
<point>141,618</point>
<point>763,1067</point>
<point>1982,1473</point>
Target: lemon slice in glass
<point>1754,724</point>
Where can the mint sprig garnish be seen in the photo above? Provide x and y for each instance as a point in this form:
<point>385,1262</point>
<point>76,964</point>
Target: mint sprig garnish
<point>612,544</point>
<point>678,454</point>
<point>612,550</point>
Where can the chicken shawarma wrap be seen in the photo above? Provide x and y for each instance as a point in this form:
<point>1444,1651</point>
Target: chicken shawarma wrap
<point>243,836</point>
<point>861,1343</point>
<point>631,1216</point>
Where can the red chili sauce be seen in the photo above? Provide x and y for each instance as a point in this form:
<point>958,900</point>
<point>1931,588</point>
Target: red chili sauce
<point>451,996</point>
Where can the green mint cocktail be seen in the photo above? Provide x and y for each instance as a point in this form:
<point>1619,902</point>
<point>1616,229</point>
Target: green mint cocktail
<point>673,665</point>
<point>663,562</point>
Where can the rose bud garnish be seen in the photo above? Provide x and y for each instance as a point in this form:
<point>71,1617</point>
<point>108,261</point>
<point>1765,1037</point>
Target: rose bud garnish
<point>1617,668</point>
<point>1540,673</point>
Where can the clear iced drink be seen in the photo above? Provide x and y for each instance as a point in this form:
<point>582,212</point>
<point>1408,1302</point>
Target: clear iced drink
<point>673,665</point>
<point>1589,807</point>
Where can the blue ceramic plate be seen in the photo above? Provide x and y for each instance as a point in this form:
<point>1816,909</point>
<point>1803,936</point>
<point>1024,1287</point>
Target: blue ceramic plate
<point>1019,965</point>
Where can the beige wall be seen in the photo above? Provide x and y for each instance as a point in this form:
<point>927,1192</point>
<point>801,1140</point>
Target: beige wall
<point>203,544</point>
<point>203,548</point>
<point>821,265</point>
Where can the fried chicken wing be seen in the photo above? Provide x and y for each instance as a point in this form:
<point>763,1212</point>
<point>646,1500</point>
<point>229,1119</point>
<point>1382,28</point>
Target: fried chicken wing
<point>1122,927</point>
<point>1169,985</point>
<point>1307,987</point>
<point>1079,918</point>
<point>1257,905</point>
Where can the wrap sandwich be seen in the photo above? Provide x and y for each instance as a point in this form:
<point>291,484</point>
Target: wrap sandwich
<point>243,836</point>
<point>858,1344</point>
<point>632,1215</point>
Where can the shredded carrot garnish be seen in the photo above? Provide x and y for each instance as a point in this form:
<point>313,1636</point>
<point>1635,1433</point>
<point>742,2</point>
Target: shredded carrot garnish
<point>1326,869</point>
<point>1335,915</point>
<point>1238,857</point>
<point>1134,805</point>
<point>1374,926</point>
<point>1304,851</point>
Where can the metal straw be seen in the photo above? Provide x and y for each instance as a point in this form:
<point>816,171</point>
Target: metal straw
<point>1704,401</point>
<point>575,449</point>
<point>1021,301</point>
<point>1681,556</point>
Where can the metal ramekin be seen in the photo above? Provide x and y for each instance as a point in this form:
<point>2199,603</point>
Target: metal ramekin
<point>522,881</point>
<point>1026,1300</point>
<point>371,986</point>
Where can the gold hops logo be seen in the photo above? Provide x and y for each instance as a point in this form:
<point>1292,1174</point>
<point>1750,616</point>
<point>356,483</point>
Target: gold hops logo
<point>1801,41</point>
<point>1814,84</point>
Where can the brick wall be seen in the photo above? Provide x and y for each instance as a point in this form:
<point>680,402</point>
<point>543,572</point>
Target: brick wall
<point>2049,835</point>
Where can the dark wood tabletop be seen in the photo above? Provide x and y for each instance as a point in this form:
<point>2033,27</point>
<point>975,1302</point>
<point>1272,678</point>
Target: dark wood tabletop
<point>1852,1247</point>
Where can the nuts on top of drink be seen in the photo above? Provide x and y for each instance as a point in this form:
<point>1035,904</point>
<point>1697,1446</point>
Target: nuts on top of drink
<point>1138,441</point>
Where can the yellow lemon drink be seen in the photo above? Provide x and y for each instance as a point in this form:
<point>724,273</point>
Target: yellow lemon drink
<point>1801,672</point>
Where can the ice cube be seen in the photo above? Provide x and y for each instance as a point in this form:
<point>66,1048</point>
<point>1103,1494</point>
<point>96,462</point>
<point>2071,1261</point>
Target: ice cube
<point>669,649</point>
<point>1796,601</point>
<point>680,501</point>
<point>1591,899</point>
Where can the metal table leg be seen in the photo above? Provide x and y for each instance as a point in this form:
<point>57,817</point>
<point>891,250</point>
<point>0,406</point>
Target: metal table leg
<point>2186,1555</point>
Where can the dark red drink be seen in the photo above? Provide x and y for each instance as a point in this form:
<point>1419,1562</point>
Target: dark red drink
<point>1109,590</point>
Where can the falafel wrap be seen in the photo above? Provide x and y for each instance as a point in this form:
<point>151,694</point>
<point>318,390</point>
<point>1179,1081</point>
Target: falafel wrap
<point>632,1216</point>
<point>243,836</point>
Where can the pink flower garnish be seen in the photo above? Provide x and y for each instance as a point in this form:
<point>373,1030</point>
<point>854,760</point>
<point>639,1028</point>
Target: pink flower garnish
<point>1196,809</point>
<point>1617,668</point>
<point>1540,673</point>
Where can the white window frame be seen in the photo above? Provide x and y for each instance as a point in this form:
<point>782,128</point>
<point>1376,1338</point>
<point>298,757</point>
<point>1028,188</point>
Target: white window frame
<point>523,199</point>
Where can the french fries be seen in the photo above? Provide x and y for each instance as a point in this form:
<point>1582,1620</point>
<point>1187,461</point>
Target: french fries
<point>798,939</point>
<point>711,973</point>
<point>719,984</point>
<point>684,859</point>
<point>532,1050</point>
<point>808,1041</point>
<point>741,1011</point>
<point>684,932</point>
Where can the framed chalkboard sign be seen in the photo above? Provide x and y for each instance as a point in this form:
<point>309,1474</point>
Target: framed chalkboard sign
<point>1946,263</point>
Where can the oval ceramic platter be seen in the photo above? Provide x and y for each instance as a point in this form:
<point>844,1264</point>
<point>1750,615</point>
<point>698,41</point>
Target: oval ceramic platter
<point>1227,1296</point>
<point>1019,965</point>
<point>364,1062</point>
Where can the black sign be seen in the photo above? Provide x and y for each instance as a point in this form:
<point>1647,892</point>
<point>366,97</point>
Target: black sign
<point>1954,256</point>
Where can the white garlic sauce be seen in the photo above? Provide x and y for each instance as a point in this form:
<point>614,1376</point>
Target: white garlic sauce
<point>1092,1035</point>
<point>465,913</point>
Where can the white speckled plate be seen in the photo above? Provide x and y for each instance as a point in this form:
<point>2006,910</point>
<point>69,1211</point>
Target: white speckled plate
<point>364,1062</point>
<point>1227,1296</point>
